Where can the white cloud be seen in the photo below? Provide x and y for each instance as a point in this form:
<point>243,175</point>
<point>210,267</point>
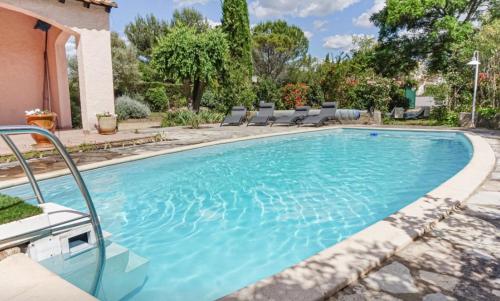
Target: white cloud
<point>300,8</point>
<point>71,47</point>
<point>343,42</point>
<point>180,3</point>
<point>213,23</point>
<point>320,25</point>
<point>308,34</point>
<point>363,20</point>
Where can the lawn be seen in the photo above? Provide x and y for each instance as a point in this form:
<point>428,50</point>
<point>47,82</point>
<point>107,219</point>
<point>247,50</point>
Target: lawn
<point>14,208</point>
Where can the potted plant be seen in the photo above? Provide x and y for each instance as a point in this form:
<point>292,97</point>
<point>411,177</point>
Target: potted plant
<point>106,123</point>
<point>45,120</point>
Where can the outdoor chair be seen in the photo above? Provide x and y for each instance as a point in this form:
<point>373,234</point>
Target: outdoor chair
<point>414,114</point>
<point>264,116</point>
<point>327,113</point>
<point>299,114</point>
<point>237,116</point>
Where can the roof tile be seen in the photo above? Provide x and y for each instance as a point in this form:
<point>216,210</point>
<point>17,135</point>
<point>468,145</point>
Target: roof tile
<point>108,3</point>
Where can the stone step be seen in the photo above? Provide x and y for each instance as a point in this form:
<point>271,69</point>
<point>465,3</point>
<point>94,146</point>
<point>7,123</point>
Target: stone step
<point>124,273</point>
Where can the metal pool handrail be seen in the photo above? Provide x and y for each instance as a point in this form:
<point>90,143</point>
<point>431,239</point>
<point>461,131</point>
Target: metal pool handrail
<point>5,131</point>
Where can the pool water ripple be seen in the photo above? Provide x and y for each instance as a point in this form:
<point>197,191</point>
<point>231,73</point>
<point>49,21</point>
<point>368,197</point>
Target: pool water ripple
<point>216,219</point>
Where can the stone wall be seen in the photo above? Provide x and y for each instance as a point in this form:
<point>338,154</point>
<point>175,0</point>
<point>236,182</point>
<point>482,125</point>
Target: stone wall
<point>481,122</point>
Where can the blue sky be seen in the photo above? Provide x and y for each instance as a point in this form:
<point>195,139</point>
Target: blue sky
<point>329,24</point>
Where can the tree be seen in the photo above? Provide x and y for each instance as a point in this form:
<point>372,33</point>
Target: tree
<point>335,79</point>
<point>276,45</point>
<point>189,17</point>
<point>236,26</point>
<point>74,92</point>
<point>363,56</point>
<point>435,31</point>
<point>237,87</point>
<point>487,43</point>
<point>185,55</point>
<point>308,71</point>
<point>126,74</point>
<point>144,32</point>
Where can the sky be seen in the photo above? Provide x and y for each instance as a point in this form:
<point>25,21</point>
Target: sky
<point>328,24</point>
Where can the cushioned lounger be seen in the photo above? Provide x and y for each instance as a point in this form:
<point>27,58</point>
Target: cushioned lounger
<point>327,113</point>
<point>237,116</point>
<point>414,114</point>
<point>299,114</point>
<point>264,116</point>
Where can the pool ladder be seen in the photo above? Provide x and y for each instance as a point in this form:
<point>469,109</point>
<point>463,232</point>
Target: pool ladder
<point>5,132</point>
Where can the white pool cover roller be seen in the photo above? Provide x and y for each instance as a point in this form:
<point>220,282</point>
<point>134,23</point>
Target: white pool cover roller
<point>347,114</point>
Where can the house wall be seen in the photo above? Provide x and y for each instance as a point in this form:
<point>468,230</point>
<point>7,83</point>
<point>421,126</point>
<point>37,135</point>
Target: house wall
<point>21,66</point>
<point>90,26</point>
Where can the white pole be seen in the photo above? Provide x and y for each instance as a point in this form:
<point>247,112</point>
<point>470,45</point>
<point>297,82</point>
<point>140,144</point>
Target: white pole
<point>473,123</point>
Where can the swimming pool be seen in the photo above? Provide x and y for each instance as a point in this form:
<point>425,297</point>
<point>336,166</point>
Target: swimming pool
<point>215,219</point>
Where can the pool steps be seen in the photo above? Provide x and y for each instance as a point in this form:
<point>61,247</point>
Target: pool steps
<point>63,241</point>
<point>124,270</point>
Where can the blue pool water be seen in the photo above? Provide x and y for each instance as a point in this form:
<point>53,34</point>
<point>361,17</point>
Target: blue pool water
<point>216,219</point>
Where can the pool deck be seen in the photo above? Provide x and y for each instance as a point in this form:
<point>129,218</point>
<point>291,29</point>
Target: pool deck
<point>456,258</point>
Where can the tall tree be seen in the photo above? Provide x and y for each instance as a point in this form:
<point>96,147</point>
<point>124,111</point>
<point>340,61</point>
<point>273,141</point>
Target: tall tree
<point>126,74</point>
<point>434,30</point>
<point>186,55</point>
<point>237,86</point>
<point>236,26</point>
<point>189,17</point>
<point>144,32</point>
<point>275,45</point>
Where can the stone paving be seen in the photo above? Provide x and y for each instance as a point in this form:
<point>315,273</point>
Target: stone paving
<point>457,260</point>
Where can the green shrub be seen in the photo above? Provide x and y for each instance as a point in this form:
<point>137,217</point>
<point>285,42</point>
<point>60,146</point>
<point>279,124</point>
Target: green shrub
<point>157,98</point>
<point>439,113</point>
<point>14,208</point>
<point>452,119</point>
<point>211,116</point>
<point>440,92</point>
<point>267,90</point>
<point>128,108</point>
<point>443,116</point>
<point>371,94</point>
<point>178,94</point>
<point>185,117</point>
<point>210,100</point>
<point>487,113</point>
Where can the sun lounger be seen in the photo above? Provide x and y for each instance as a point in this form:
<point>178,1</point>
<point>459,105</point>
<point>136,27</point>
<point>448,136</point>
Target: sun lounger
<point>264,116</point>
<point>299,114</point>
<point>327,113</point>
<point>237,116</point>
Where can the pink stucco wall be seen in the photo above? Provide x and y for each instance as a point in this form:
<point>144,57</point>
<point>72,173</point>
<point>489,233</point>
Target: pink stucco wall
<point>21,71</point>
<point>21,66</point>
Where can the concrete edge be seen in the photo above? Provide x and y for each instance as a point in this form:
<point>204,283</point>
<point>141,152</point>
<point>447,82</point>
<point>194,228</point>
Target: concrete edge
<point>327,272</point>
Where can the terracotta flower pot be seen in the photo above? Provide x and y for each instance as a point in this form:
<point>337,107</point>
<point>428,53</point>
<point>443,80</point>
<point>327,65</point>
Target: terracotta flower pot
<point>106,125</point>
<point>46,121</point>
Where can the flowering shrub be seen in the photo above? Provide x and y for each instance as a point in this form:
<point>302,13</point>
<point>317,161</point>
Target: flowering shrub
<point>294,95</point>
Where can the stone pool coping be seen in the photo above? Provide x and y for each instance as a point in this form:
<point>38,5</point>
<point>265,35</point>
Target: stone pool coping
<point>323,274</point>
